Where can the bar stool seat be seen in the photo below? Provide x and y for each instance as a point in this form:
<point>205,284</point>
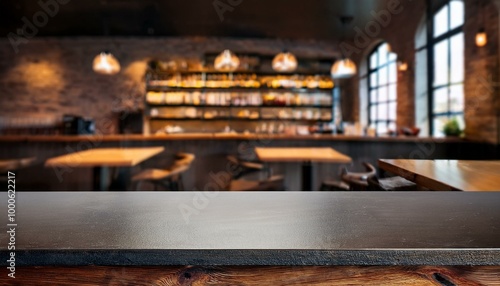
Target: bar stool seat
<point>159,174</point>
<point>245,167</point>
<point>168,178</point>
<point>274,183</point>
<point>15,164</point>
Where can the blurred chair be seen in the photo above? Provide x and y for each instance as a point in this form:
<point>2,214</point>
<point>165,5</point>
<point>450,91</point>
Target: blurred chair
<point>169,179</point>
<point>241,180</point>
<point>244,168</point>
<point>12,165</point>
<point>15,164</point>
<point>351,181</point>
<point>274,183</point>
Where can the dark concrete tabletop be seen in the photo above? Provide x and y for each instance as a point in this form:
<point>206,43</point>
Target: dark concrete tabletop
<point>272,228</point>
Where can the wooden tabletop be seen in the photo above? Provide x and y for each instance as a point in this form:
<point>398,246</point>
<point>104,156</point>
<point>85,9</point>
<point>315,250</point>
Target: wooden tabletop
<point>272,228</point>
<point>14,164</point>
<point>448,175</point>
<point>283,154</point>
<point>115,157</point>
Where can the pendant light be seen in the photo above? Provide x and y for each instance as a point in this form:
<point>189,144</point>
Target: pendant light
<point>481,36</point>
<point>105,63</point>
<point>344,68</point>
<point>226,61</point>
<point>285,62</point>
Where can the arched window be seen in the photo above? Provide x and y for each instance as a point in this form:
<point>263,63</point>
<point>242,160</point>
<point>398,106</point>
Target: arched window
<point>382,89</point>
<point>440,56</point>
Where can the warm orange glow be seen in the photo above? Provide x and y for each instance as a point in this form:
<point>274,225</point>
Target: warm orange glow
<point>284,62</point>
<point>402,66</point>
<point>106,63</point>
<point>343,69</point>
<point>481,39</point>
<point>38,75</point>
<point>227,61</point>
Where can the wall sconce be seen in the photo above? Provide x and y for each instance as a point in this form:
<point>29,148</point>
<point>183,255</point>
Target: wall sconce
<point>481,38</point>
<point>402,66</point>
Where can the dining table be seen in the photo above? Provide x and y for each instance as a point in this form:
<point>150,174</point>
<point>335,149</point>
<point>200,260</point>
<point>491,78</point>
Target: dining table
<point>447,175</point>
<point>101,159</point>
<point>305,155</point>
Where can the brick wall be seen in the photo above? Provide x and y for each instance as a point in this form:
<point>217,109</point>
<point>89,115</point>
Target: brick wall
<point>53,76</point>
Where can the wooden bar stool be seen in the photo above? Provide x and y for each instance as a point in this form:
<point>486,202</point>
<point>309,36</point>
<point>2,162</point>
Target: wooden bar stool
<point>246,169</point>
<point>169,179</point>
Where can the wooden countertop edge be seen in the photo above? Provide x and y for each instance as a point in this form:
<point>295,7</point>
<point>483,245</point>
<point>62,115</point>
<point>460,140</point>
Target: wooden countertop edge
<point>214,136</point>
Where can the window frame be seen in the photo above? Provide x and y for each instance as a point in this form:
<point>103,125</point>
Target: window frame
<point>432,41</point>
<point>376,70</point>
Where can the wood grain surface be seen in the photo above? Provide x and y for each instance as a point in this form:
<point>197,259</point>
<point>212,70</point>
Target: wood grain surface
<point>325,155</point>
<point>116,157</point>
<point>448,175</point>
<point>340,275</point>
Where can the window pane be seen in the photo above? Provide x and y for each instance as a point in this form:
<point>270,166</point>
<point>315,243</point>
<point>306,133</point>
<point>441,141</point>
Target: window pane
<point>439,123</point>
<point>382,76</point>
<point>374,60</point>
<point>382,51</point>
<point>441,22</point>
<point>373,96</point>
<point>421,36</point>
<point>393,57</point>
<point>441,63</point>
<point>457,58</point>
<point>382,111</point>
<point>392,92</point>
<point>461,121</point>
<point>373,80</point>
<point>373,112</point>
<point>457,98</point>
<point>392,126</point>
<point>441,100</point>
<point>456,14</point>
<point>392,111</point>
<point>393,72</point>
<point>381,128</point>
<point>382,94</point>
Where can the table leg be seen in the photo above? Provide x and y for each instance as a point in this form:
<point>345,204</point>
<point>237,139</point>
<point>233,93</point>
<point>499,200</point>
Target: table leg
<point>122,180</point>
<point>100,178</point>
<point>307,176</point>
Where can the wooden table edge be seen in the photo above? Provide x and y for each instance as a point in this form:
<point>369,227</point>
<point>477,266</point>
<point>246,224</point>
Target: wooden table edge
<point>418,179</point>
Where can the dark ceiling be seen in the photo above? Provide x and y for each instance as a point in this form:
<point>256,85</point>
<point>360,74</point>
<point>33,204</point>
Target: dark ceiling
<point>311,19</point>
